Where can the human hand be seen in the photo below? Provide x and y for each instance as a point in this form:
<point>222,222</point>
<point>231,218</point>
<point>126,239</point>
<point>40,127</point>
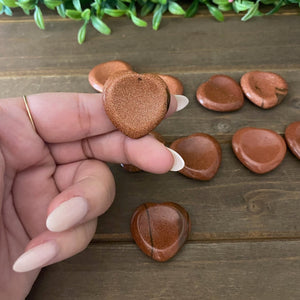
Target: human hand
<point>54,182</point>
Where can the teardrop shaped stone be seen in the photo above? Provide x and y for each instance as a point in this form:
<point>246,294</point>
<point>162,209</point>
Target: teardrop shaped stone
<point>220,93</point>
<point>264,89</point>
<point>292,137</point>
<point>135,103</point>
<point>201,153</point>
<point>260,150</point>
<point>174,84</point>
<point>160,230</point>
<point>100,73</point>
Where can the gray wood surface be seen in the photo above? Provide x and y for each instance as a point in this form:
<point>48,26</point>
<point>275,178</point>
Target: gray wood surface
<point>233,271</point>
<point>245,237</point>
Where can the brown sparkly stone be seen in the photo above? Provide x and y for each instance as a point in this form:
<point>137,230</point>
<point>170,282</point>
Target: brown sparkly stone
<point>160,230</point>
<point>202,155</point>
<point>260,150</point>
<point>135,103</point>
<point>220,93</point>
<point>292,137</point>
<point>174,84</point>
<point>133,169</point>
<point>100,73</point>
<point>265,89</point>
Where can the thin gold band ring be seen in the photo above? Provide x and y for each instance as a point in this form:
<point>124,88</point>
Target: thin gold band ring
<point>28,112</point>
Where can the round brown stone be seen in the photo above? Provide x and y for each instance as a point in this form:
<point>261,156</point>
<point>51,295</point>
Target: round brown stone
<point>174,84</point>
<point>135,103</point>
<point>265,89</point>
<point>260,150</point>
<point>220,93</point>
<point>201,153</point>
<point>100,73</point>
<point>292,137</point>
<point>160,230</point>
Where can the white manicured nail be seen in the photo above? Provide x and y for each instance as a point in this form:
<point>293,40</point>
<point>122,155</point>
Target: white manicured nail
<point>67,214</point>
<point>182,102</point>
<point>36,257</point>
<point>178,161</point>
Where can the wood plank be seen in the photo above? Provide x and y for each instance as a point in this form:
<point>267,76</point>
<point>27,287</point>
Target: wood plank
<point>264,270</point>
<point>181,45</point>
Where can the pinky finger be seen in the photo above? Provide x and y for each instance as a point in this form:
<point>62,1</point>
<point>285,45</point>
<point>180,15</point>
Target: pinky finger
<point>51,247</point>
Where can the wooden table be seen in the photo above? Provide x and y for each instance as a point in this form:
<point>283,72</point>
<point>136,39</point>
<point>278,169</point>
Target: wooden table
<point>245,238</point>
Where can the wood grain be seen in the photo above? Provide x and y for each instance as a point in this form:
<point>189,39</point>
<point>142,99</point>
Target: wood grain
<point>245,236</point>
<point>264,270</point>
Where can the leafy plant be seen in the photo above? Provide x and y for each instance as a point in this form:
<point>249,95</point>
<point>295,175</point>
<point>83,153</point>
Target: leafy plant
<point>94,11</point>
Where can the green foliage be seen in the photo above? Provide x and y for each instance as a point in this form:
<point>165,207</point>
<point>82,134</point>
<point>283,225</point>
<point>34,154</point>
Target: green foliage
<point>93,11</point>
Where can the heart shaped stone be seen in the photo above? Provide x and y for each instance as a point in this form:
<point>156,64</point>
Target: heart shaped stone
<point>160,230</point>
<point>174,84</point>
<point>292,137</point>
<point>220,93</point>
<point>100,73</point>
<point>202,155</point>
<point>260,150</point>
<point>264,89</point>
<point>135,103</point>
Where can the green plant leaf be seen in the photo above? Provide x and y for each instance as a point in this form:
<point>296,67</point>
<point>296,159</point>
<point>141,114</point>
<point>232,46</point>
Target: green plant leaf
<point>138,22</point>
<point>77,5</point>
<point>251,12</point>
<point>26,4</point>
<point>193,9</point>
<point>220,2</point>
<point>61,10</point>
<point>226,7</point>
<point>157,16</point>
<point>162,2</point>
<point>115,12</point>
<point>121,5</point>
<point>147,8</point>
<point>81,33</point>
<point>175,9</point>
<point>52,3</point>
<point>73,14</point>
<point>215,12</point>
<point>1,8</point>
<point>99,25</point>
<point>26,11</point>
<point>241,5</point>
<point>7,10</point>
<point>38,17</point>
<point>9,3</point>
<point>276,8</point>
<point>86,14</point>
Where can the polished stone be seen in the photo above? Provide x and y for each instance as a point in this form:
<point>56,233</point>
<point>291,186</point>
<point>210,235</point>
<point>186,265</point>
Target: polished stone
<point>202,155</point>
<point>160,230</point>
<point>220,93</point>
<point>135,103</point>
<point>100,73</point>
<point>292,137</point>
<point>174,84</point>
<point>260,150</point>
<point>265,89</point>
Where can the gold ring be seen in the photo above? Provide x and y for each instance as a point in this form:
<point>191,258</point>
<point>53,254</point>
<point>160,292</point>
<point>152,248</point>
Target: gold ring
<point>28,112</point>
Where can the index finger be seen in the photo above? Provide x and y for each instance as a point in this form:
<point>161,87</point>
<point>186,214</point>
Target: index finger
<point>66,117</point>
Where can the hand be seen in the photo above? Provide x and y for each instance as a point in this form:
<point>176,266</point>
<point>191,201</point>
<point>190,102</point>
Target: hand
<point>54,182</point>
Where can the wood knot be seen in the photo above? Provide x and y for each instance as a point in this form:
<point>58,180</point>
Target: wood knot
<point>222,125</point>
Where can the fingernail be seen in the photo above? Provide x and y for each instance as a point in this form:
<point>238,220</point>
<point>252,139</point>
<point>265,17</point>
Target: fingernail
<point>182,102</point>
<point>178,161</point>
<point>67,214</point>
<point>36,257</point>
